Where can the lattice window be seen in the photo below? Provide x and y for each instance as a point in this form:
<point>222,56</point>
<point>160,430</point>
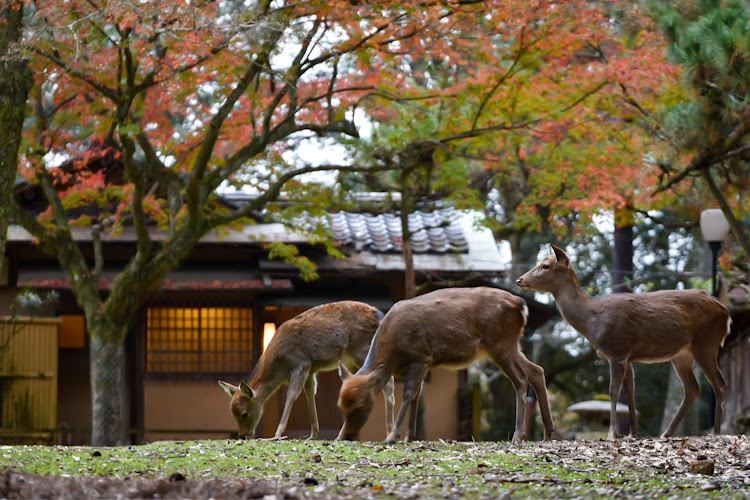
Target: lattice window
<point>199,340</point>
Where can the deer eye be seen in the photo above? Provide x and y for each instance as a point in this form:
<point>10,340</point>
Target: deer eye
<point>545,266</point>
<point>244,415</point>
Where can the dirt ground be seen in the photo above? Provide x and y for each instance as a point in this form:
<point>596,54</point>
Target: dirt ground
<point>14,485</point>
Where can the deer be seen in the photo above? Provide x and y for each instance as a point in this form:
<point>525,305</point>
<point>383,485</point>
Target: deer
<point>681,326</point>
<point>313,341</point>
<point>449,328</point>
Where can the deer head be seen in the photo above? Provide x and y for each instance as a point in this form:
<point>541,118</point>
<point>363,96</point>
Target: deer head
<point>356,399</point>
<point>246,408</point>
<point>549,273</point>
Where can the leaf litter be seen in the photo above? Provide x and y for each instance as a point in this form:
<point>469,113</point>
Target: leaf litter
<point>685,467</point>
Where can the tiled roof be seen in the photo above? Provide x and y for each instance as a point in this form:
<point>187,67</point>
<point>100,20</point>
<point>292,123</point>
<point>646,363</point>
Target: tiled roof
<point>438,232</point>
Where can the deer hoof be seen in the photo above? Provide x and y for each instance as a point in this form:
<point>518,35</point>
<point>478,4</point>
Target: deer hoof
<point>555,436</point>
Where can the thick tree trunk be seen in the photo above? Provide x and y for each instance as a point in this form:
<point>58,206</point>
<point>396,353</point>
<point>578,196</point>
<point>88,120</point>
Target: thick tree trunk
<point>108,398</point>
<point>15,83</point>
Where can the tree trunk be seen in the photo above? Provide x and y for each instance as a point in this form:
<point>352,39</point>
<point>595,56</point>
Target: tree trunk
<point>622,268</point>
<point>410,285</point>
<point>108,398</point>
<point>15,83</point>
<point>517,268</point>
<point>622,255</point>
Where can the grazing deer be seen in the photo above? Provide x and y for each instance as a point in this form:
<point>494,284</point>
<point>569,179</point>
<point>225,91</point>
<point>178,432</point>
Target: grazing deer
<point>448,328</point>
<point>681,326</point>
<point>316,340</point>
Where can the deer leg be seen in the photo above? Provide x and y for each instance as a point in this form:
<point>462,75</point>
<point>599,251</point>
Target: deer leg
<point>414,378</point>
<point>296,382</point>
<point>629,385</point>
<point>513,371</point>
<point>411,432</point>
<point>311,385</point>
<point>709,364</point>
<point>390,402</point>
<point>616,376</point>
<point>535,375</point>
<point>683,366</point>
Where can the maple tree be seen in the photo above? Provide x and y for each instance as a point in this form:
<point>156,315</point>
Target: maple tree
<point>549,129</point>
<point>593,158</point>
<point>187,96</point>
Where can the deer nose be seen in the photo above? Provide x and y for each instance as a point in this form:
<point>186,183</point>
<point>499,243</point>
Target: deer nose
<point>518,281</point>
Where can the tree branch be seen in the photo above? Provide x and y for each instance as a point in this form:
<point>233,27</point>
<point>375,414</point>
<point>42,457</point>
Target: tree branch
<point>274,190</point>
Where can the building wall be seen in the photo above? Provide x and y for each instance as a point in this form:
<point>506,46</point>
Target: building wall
<point>74,392</point>
<point>733,362</point>
<point>203,406</point>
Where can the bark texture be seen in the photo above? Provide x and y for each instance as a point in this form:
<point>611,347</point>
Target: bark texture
<point>15,83</point>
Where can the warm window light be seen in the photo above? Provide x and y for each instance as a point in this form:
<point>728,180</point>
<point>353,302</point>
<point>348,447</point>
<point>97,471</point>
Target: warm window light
<point>269,330</point>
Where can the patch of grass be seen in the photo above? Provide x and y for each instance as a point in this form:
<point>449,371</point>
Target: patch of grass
<point>421,469</point>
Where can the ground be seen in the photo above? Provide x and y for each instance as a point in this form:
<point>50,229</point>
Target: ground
<point>689,467</point>
<point>17,485</point>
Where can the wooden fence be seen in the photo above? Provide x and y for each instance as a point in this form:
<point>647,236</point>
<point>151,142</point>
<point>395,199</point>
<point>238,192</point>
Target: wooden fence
<point>28,379</point>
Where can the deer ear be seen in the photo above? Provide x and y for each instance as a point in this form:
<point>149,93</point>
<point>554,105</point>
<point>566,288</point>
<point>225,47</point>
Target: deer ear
<point>560,255</point>
<point>375,375</point>
<point>344,373</point>
<point>246,391</point>
<point>228,388</point>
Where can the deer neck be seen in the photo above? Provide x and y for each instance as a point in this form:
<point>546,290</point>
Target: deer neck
<point>372,362</point>
<point>575,305</point>
<point>265,380</point>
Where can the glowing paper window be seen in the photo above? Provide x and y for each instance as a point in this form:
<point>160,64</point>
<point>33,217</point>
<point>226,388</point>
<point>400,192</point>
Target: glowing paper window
<point>199,340</point>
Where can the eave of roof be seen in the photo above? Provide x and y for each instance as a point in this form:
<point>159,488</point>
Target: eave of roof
<point>481,253</point>
<point>176,280</point>
<point>251,233</point>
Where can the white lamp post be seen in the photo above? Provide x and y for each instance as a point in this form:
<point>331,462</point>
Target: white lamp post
<point>715,228</point>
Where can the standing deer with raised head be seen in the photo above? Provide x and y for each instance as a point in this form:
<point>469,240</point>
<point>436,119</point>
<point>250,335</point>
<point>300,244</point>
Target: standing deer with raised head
<point>448,328</point>
<point>680,326</point>
<point>316,340</point>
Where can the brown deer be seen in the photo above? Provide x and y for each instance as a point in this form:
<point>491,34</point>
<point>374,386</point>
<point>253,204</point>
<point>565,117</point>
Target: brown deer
<point>681,326</point>
<point>316,340</point>
<point>448,328</point>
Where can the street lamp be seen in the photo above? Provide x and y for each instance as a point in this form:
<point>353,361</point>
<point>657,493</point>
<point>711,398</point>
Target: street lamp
<point>715,228</point>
